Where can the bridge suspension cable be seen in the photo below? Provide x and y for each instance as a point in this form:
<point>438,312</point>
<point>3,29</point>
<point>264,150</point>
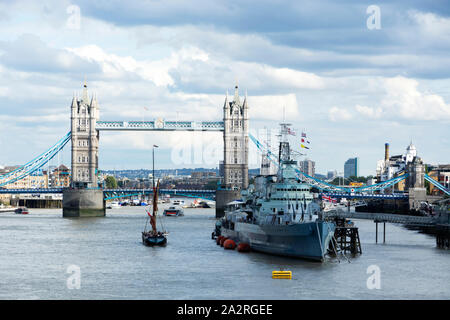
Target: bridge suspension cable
<point>322,185</point>
<point>437,184</point>
<point>307,178</point>
<point>35,164</point>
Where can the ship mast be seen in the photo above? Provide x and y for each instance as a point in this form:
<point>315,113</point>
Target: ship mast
<point>284,151</point>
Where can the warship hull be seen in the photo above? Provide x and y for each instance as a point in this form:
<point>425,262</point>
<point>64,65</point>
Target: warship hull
<point>309,240</point>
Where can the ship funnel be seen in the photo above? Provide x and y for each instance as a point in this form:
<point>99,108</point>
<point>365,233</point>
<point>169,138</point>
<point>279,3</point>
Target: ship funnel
<point>386,151</point>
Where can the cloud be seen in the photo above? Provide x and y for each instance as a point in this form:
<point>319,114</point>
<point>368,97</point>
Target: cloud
<point>117,67</point>
<point>244,16</point>
<point>193,69</point>
<point>30,53</point>
<point>202,75</point>
<point>273,107</point>
<point>431,26</point>
<point>42,119</point>
<point>339,114</point>
<point>369,112</point>
<point>405,100</point>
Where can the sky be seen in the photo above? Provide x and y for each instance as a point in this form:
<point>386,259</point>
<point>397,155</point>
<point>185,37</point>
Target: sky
<point>354,75</point>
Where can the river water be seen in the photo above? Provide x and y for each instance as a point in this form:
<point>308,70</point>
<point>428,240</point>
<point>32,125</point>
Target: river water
<point>37,250</point>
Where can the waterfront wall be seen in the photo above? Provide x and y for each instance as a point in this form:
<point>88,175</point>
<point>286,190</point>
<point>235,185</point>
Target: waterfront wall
<point>222,198</point>
<point>83,203</point>
<point>386,206</point>
<point>37,203</point>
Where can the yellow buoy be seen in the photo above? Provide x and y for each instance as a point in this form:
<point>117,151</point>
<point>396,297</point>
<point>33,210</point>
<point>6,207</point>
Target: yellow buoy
<point>281,274</point>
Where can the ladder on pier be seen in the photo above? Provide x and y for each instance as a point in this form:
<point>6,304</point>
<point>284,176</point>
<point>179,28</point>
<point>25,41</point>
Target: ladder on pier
<point>346,237</point>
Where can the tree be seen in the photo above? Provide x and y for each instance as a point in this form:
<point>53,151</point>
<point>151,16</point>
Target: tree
<point>212,184</point>
<point>339,180</point>
<point>111,182</point>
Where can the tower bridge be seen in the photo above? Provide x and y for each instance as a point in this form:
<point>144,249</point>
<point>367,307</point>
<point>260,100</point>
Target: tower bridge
<point>85,198</point>
<point>86,127</point>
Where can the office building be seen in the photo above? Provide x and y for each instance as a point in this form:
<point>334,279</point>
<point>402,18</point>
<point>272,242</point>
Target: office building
<point>308,166</point>
<point>351,168</point>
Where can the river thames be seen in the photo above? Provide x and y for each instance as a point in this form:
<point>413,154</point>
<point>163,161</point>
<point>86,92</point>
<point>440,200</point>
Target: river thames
<point>37,250</point>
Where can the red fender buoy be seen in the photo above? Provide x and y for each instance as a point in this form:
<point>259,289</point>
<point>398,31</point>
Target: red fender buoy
<point>229,244</point>
<point>222,241</point>
<point>243,247</point>
<point>218,239</point>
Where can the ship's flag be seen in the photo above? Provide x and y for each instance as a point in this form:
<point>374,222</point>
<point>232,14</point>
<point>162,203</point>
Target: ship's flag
<point>328,198</point>
<point>291,132</point>
<point>303,135</point>
<point>303,146</point>
<point>303,140</point>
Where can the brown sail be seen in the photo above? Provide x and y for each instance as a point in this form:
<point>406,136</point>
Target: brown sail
<point>155,207</point>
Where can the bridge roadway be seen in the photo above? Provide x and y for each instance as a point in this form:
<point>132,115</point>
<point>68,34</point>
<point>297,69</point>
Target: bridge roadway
<point>382,217</point>
<point>175,191</point>
<point>160,125</point>
<point>60,190</point>
<point>395,196</point>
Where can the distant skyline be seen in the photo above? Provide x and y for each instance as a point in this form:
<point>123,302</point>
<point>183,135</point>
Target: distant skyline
<point>351,87</point>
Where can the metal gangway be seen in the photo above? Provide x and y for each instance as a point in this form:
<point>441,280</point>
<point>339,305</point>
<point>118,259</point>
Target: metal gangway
<point>382,217</point>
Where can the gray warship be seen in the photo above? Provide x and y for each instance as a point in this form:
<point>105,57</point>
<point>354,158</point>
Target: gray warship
<point>277,214</point>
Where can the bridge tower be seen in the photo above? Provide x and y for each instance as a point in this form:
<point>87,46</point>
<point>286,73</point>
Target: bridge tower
<point>84,141</point>
<point>84,198</point>
<point>415,183</point>
<point>235,155</point>
<point>235,142</point>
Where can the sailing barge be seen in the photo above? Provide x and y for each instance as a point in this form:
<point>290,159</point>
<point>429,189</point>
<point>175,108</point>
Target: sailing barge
<point>154,237</point>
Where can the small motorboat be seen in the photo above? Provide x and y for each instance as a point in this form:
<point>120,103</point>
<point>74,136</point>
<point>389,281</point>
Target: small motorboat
<point>204,204</point>
<point>173,211</point>
<point>178,202</point>
<point>21,210</point>
<point>113,205</point>
<point>199,203</point>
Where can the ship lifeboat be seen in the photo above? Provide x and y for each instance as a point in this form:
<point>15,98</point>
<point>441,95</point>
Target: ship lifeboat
<point>229,244</point>
<point>243,247</point>
<point>218,239</point>
<point>222,241</point>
